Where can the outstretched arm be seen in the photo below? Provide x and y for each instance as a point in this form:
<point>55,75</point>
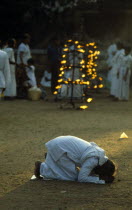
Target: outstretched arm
<point>86,169</point>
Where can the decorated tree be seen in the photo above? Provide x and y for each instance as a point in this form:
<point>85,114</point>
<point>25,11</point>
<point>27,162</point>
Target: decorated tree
<point>77,74</point>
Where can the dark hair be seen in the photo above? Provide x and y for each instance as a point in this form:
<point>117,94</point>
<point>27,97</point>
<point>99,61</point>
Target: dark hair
<point>11,42</point>
<point>30,61</point>
<point>26,36</point>
<point>106,171</point>
<point>127,49</point>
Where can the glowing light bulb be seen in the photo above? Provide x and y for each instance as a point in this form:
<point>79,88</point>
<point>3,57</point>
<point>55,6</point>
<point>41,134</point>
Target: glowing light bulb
<point>55,92</point>
<point>89,100</point>
<point>66,49</point>
<point>63,62</point>
<point>101,86</point>
<point>60,80</point>
<point>83,107</point>
<point>58,87</point>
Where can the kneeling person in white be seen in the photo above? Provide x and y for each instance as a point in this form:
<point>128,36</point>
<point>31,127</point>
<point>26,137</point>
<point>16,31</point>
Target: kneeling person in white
<point>30,70</point>
<point>74,159</point>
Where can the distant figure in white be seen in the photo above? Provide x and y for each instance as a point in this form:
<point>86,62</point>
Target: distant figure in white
<point>9,49</point>
<point>46,79</point>
<point>5,75</point>
<point>124,73</point>
<point>23,52</point>
<point>116,65</point>
<point>111,51</point>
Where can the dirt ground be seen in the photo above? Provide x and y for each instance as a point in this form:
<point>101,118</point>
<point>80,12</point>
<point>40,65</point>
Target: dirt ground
<point>24,128</point>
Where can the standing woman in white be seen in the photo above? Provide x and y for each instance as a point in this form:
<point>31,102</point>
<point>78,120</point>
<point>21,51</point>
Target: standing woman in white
<point>5,76</point>
<point>23,54</point>
<point>111,51</point>
<point>126,75</point>
<point>11,89</point>
<point>115,69</point>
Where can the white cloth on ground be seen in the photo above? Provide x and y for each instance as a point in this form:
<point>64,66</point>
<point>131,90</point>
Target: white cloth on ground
<point>65,153</point>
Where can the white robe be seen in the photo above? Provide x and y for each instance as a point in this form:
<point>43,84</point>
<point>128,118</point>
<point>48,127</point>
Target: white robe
<point>5,76</point>
<point>65,153</point>
<point>115,68</point>
<point>31,75</point>
<point>112,49</point>
<point>123,90</point>
<point>26,53</point>
<point>44,82</point>
<point>11,89</point>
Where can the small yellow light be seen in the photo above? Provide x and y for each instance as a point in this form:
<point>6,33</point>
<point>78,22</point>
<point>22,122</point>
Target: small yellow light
<point>65,49</point>
<point>61,69</point>
<point>95,86</point>
<point>101,86</point>
<point>89,100</point>
<point>63,56</point>
<point>83,75</point>
<point>63,62</point>
<point>58,87</point>
<point>55,92</point>
<point>83,107</point>
<point>60,80</point>
<point>69,40</point>
<point>100,78</point>
<point>76,42</point>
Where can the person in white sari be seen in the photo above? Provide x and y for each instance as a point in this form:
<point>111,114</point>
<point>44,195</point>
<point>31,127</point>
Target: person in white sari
<point>11,89</point>
<point>124,75</point>
<point>74,159</point>
<point>5,76</point>
<point>116,64</point>
<point>111,51</point>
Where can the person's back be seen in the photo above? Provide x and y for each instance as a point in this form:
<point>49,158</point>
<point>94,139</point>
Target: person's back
<point>77,149</point>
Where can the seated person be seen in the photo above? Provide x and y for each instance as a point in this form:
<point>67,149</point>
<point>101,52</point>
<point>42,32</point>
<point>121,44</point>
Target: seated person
<point>74,159</point>
<point>30,71</point>
<point>46,79</point>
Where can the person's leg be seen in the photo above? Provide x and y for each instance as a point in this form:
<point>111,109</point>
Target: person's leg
<point>68,167</point>
<point>63,169</point>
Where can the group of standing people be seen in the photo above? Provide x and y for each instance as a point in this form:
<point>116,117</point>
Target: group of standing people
<point>119,63</point>
<point>16,75</point>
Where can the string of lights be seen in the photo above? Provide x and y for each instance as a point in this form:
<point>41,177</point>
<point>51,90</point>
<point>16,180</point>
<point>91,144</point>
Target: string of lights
<point>79,57</point>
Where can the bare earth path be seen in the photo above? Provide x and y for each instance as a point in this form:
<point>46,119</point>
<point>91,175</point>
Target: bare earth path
<point>24,128</point>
